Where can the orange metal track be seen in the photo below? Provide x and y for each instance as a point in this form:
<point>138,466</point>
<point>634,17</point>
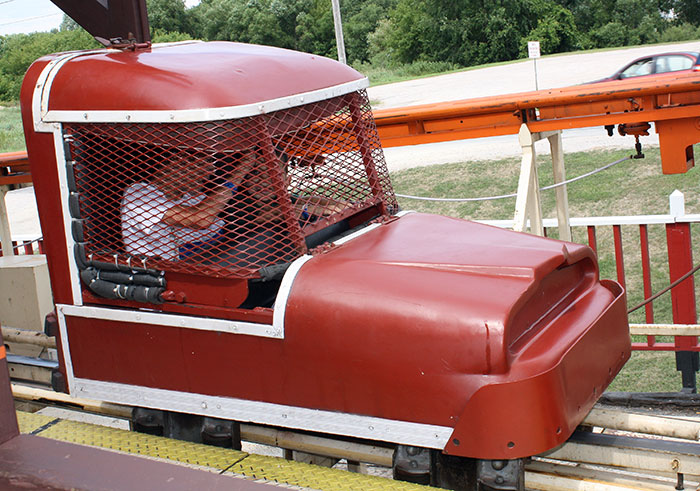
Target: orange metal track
<point>14,168</point>
<point>671,101</point>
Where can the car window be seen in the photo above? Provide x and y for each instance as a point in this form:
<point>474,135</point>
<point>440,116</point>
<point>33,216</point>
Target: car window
<point>642,67</point>
<point>672,63</point>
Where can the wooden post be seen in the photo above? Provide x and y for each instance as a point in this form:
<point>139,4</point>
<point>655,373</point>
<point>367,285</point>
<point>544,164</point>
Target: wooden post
<point>527,204</point>
<point>8,417</point>
<point>562,197</point>
<point>5,237</point>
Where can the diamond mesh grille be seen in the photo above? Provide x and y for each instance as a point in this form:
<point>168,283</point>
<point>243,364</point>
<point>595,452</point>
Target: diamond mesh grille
<point>226,198</point>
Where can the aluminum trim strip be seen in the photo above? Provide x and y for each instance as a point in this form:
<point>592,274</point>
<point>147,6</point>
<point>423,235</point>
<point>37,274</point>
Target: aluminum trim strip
<point>65,346</point>
<point>404,213</point>
<point>64,192</point>
<point>170,320</point>
<point>42,89</point>
<point>205,114</point>
<point>283,293</point>
<point>353,425</point>
<point>355,235</point>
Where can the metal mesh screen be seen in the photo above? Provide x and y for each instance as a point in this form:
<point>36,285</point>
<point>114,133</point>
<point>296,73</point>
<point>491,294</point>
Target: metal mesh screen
<point>226,198</point>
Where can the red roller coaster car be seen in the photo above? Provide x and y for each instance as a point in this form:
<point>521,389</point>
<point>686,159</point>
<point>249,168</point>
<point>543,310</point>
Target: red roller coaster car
<point>224,242</point>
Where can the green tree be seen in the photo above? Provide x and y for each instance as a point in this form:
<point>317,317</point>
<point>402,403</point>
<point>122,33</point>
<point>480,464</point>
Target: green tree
<point>688,11</point>
<point>18,51</point>
<point>466,32</point>
<point>169,16</point>
<point>68,24</point>
<point>556,31</point>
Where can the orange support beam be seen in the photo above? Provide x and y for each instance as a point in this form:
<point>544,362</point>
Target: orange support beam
<point>14,168</point>
<point>671,101</point>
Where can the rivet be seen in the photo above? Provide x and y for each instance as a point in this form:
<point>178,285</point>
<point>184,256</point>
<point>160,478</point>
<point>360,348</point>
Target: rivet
<point>204,405</point>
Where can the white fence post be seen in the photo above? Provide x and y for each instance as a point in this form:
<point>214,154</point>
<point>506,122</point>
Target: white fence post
<point>677,204</point>
<point>5,238</point>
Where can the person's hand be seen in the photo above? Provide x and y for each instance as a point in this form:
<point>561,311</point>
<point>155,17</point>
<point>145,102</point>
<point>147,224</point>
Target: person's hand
<point>244,166</point>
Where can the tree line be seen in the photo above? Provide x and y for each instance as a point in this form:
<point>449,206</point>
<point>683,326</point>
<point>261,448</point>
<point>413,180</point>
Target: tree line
<point>458,33</point>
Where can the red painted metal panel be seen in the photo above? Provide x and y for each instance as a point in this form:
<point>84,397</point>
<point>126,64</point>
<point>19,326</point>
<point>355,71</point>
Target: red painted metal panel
<point>592,242</point>
<point>680,261</point>
<point>42,157</point>
<point>482,314</point>
<point>225,74</point>
<point>123,19</point>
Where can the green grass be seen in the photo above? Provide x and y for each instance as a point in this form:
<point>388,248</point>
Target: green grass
<point>634,187</point>
<point>380,74</point>
<point>11,135</point>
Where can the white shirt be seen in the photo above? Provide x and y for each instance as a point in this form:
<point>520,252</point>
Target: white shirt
<point>142,209</point>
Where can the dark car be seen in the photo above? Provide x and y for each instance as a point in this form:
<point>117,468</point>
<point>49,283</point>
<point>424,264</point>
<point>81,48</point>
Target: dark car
<point>657,64</point>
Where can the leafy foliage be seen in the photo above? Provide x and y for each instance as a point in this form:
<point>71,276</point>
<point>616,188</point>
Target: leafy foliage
<point>383,34</point>
<point>18,51</point>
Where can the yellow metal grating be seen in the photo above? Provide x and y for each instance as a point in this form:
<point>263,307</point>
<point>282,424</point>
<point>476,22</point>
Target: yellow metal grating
<point>311,476</point>
<point>272,469</point>
<point>30,422</point>
<point>142,444</point>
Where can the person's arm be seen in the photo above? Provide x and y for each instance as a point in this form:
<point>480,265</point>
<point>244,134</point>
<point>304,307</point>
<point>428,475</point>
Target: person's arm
<point>318,206</point>
<point>201,215</point>
<point>205,213</point>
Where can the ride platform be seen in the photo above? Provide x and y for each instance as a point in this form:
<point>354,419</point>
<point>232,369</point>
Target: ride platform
<point>190,464</point>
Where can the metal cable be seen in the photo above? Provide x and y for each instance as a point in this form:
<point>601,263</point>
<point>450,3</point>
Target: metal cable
<point>27,19</point>
<point>26,243</point>
<point>669,287</point>
<point>489,198</point>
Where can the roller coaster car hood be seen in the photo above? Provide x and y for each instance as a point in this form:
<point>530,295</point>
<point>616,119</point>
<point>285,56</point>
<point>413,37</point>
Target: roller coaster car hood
<point>191,75</point>
<point>511,335</point>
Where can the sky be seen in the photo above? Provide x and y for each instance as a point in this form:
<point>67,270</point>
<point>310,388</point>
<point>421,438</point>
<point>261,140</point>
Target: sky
<point>34,15</point>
